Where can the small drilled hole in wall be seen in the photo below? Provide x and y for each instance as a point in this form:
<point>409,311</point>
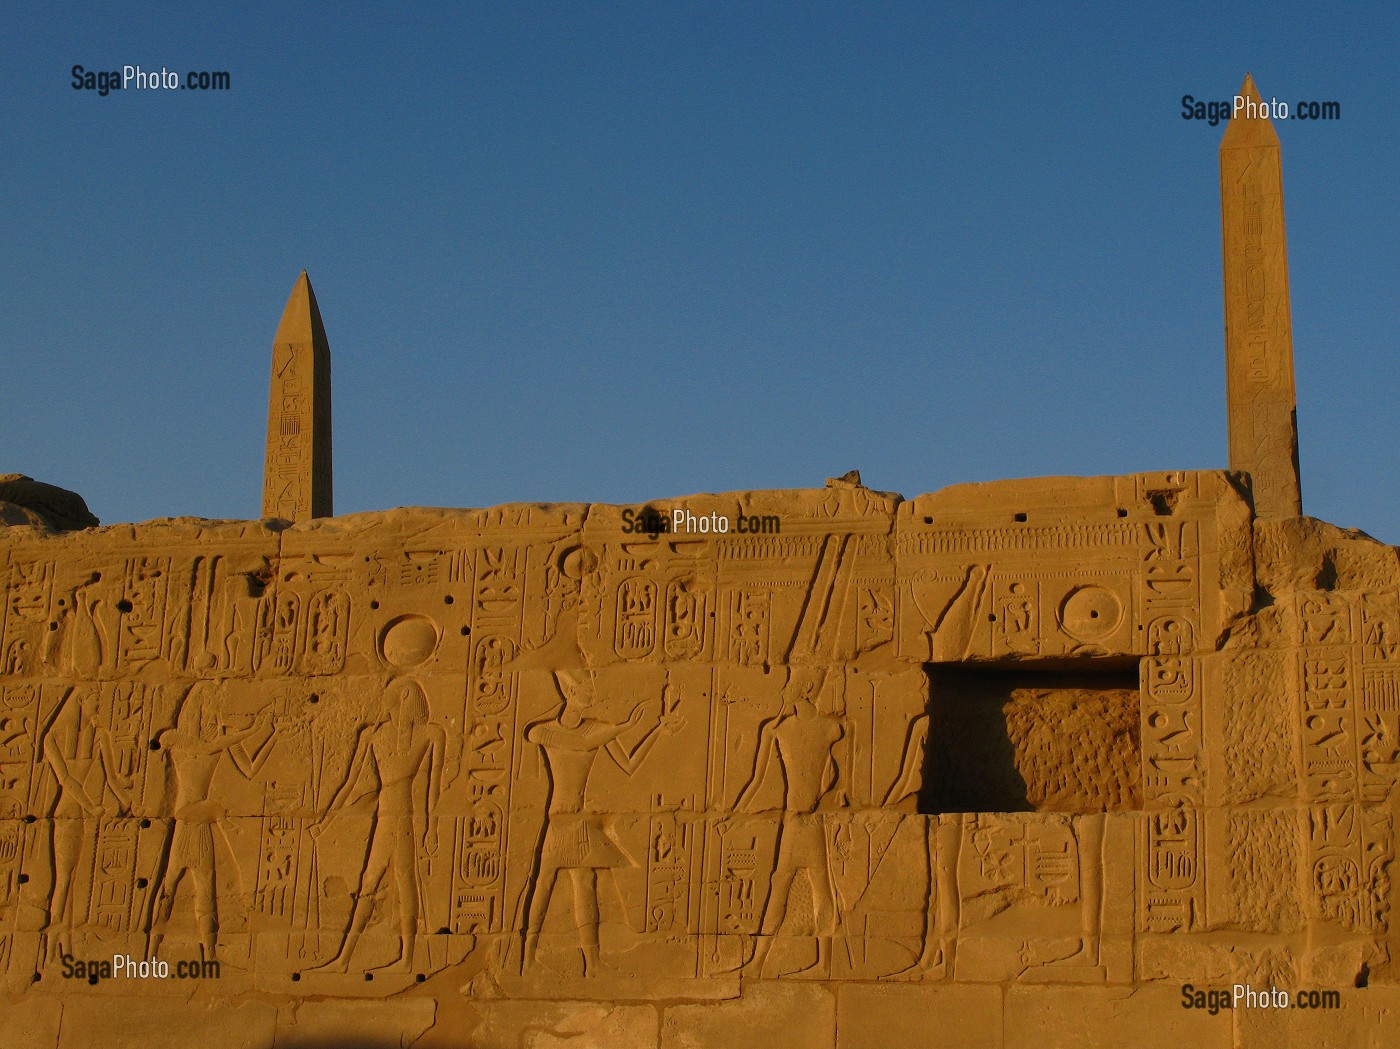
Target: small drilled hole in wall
<point>448,599</point>
<point>124,605</point>
<point>141,883</point>
<point>1021,518</point>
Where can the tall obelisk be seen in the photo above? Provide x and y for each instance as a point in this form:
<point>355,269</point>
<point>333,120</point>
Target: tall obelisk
<point>297,474</point>
<point>1258,328</point>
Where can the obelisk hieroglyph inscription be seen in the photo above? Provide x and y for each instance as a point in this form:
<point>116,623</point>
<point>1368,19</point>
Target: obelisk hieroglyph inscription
<point>1258,329</point>
<point>297,474</point>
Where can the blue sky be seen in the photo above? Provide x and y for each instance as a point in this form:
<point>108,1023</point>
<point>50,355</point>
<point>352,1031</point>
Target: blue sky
<point>617,252</point>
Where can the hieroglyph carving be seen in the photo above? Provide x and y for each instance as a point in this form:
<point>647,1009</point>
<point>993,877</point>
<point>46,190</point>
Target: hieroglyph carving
<point>563,760</point>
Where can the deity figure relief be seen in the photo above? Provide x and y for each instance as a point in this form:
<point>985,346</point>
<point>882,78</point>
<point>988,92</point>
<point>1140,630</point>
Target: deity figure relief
<point>574,839</point>
<point>909,782</point>
<point>799,741</point>
<point>402,753</point>
<point>943,916</point>
<point>195,749</point>
<point>940,858</point>
<point>78,749</point>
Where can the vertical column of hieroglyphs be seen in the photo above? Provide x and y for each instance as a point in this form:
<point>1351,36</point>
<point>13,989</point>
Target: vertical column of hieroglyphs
<point>498,583</point>
<point>1258,330</point>
<point>1172,766</point>
<point>675,836</point>
<point>19,711</point>
<point>297,474</point>
<point>1348,751</point>
<point>1379,728</point>
<point>24,707</point>
<point>1329,705</point>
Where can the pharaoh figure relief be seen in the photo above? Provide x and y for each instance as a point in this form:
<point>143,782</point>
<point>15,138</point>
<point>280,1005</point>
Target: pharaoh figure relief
<point>195,749</point>
<point>574,839</point>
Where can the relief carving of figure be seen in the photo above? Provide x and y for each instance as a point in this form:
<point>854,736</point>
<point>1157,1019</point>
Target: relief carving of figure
<point>574,839</point>
<point>940,858</point>
<point>78,749</point>
<point>404,754</point>
<point>799,741</point>
<point>195,748</point>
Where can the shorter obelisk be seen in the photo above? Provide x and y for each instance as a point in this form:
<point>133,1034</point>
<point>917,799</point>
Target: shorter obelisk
<point>297,474</point>
<point>1258,328</point>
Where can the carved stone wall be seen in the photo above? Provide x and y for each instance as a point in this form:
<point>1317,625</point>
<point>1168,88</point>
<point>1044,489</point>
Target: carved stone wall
<point>998,763</point>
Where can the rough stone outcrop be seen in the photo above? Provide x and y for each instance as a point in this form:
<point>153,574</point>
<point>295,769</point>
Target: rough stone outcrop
<point>25,501</point>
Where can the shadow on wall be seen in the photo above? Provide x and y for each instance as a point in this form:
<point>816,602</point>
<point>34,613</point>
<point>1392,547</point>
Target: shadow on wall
<point>1032,740</point>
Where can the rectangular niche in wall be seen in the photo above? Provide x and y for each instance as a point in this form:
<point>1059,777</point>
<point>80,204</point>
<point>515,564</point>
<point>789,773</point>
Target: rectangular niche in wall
<point>1032,740</point>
